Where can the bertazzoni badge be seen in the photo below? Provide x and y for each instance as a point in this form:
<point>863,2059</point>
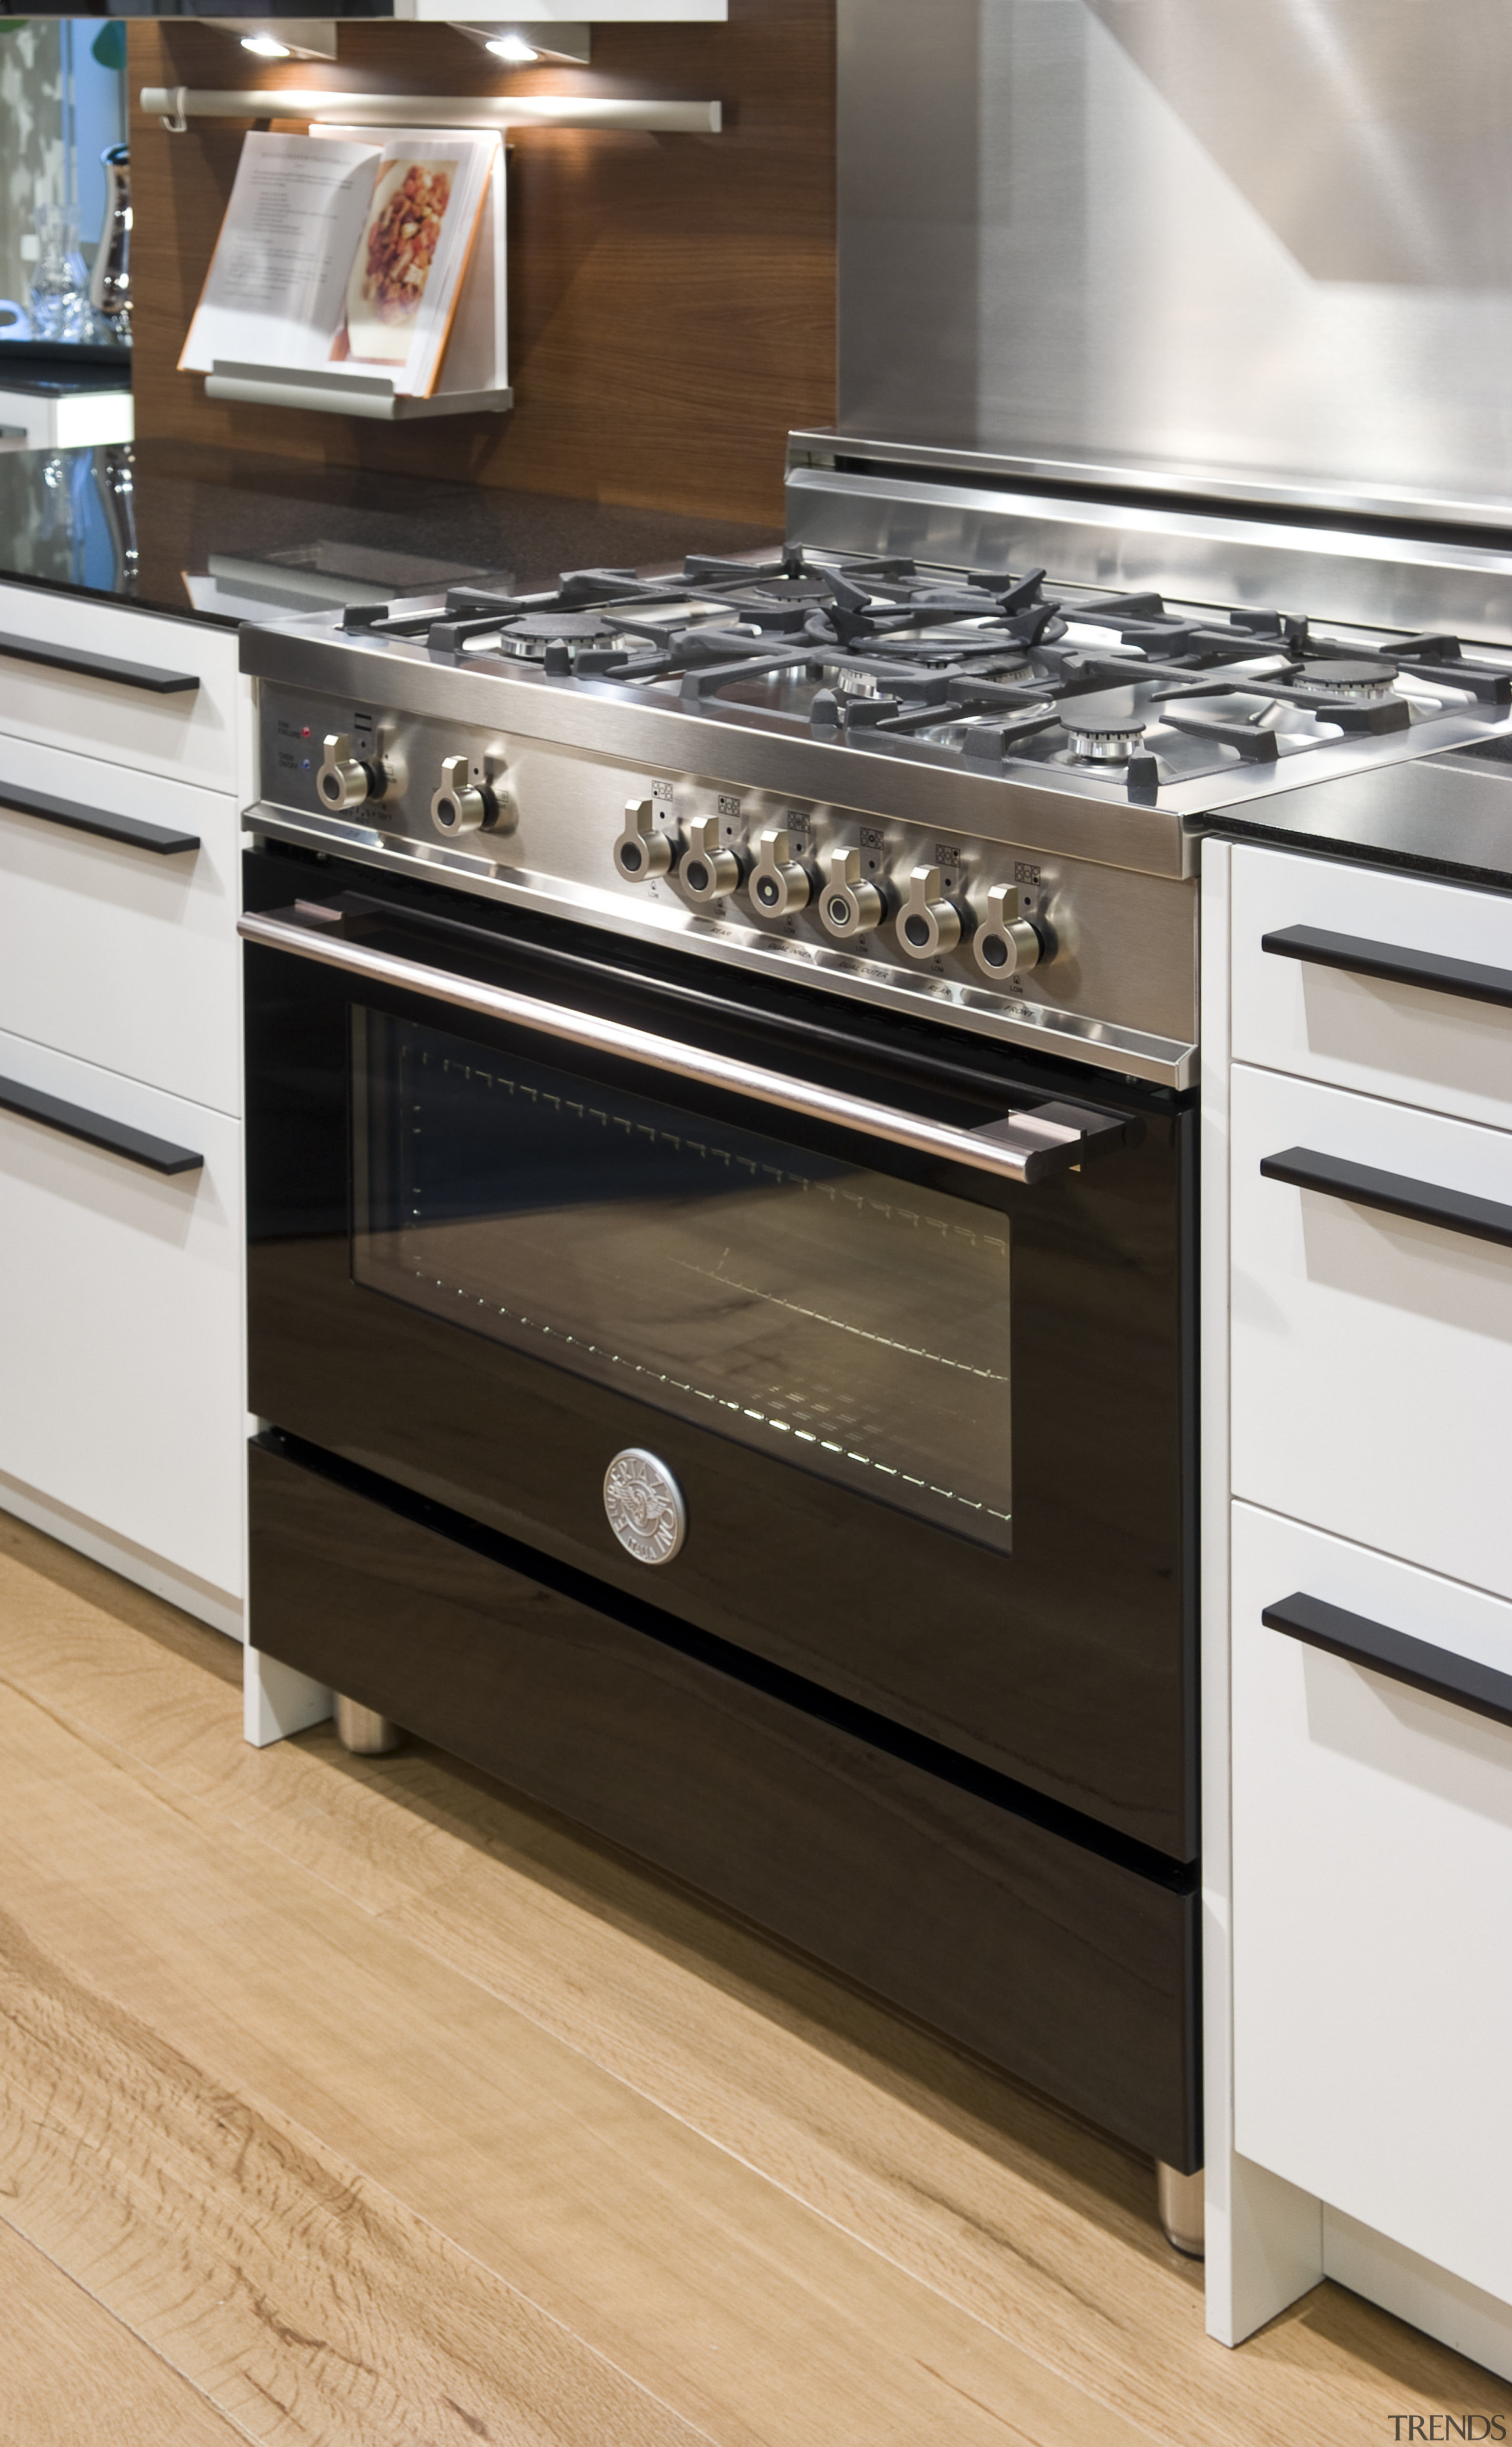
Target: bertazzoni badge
<point>645,1505</point>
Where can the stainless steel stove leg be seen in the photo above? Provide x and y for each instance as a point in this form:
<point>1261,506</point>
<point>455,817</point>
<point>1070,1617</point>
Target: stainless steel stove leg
<point>364,1731</point>
<point>1180,2199</point>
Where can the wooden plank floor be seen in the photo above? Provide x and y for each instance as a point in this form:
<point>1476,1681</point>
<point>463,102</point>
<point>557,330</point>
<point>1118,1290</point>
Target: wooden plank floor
<point>360,2101</point>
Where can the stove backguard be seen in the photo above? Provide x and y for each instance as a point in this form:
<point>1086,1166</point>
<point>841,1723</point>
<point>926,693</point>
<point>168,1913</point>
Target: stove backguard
<point>1185,246</point>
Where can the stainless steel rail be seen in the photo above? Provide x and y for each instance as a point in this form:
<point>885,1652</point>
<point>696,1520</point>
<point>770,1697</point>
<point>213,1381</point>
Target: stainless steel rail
<point>1023,1146</point>
<point>175,103</point>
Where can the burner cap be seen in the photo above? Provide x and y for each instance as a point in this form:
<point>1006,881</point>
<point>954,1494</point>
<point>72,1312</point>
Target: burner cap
<point>1106,727</point>
<point>783,590</point>
<point>546,627</point>
<point>1366,677</point>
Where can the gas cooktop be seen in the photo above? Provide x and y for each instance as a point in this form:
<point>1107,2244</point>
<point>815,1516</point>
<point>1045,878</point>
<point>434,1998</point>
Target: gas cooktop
<point>971,795</point>
<point>1121,695</point>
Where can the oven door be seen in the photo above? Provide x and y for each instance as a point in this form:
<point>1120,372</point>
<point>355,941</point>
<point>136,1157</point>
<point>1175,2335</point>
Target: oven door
<point>808,1335</point>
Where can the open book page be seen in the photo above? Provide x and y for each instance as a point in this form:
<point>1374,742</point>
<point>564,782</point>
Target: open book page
<point>412,252</point>
<point>276,294</point>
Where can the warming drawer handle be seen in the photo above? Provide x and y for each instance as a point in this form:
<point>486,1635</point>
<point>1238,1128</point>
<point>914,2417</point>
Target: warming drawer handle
<point>1360,957</point>
<point>163,840</point>
<point>1022,1147</point>
<point>1395,1654</point>
<point>98,1129</point>
<point>1394,1193</point>
<point>100,667</point>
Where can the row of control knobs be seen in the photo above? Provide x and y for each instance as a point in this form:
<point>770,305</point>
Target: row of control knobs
<point>927,921</point>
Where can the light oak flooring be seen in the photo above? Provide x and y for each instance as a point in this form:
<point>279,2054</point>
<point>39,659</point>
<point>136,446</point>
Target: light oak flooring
<point>361,2102</point>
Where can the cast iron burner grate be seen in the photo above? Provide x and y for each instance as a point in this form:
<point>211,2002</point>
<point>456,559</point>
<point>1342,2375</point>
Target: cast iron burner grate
<point>987,669</point>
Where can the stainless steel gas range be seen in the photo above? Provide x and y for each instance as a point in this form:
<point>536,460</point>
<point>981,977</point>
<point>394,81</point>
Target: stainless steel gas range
<point>959,794</point>
<point>722,1194</point>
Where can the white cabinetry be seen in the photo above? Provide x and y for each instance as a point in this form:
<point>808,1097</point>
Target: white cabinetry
<point>1371,1351</point>
<point>1357,1639</point>
<point>117,911</point>
<point>164,695</point>
<point>126,744</point>
<point>1372,1899</point>
<point>1417,1044</point>
<point>120,1314</point>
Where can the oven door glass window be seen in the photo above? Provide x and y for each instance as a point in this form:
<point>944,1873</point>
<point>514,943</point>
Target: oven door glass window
<point>854,1323</point>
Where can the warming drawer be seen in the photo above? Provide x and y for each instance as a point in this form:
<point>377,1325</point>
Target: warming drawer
<point>1050,1959</point>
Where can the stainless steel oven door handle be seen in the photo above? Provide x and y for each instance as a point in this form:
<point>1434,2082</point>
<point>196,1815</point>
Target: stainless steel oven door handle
<point>1022,1147</point>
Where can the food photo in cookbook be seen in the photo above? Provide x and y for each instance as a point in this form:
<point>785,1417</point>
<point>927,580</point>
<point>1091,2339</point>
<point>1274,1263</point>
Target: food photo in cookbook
<point>395,256</point>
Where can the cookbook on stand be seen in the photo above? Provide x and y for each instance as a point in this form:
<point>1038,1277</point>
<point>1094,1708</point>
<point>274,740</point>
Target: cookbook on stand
<point>347,255</point>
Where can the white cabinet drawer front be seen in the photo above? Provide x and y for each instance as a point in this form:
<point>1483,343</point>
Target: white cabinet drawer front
<point>1373,1907</point>
<point>188,732</point>
<point>1372,1354</point>
<point>113,948</point>
<point>121,1384</point>
<point>1417,1042</point>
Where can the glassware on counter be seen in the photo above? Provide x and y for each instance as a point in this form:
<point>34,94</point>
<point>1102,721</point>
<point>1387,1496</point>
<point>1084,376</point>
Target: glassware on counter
<point>60,303</point>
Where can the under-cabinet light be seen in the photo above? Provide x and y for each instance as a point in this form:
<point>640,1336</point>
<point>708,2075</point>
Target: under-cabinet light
<point>282,38</point>
<point>526,44</point>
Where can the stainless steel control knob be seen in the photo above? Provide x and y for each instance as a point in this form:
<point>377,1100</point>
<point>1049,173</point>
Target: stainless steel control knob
<point>848,904</point>
<point>779,882</point>
<point>928,923</point>
<point>641,851</point>
<point>708,872</point>
<point>348,781</point>
<point>460,805</point>
<point>1005,945</point>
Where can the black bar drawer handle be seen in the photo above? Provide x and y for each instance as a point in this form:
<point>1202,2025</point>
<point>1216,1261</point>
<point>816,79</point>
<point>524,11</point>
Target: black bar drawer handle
<point>1362,958</point>
<point>1421,1202</point>
<point>100,667</point>
<point>77,1122</point>
<point>159,838</point>
<point>1396,1654</point>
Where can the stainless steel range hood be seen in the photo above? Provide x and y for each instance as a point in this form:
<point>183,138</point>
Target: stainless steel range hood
<point>1255,252</point>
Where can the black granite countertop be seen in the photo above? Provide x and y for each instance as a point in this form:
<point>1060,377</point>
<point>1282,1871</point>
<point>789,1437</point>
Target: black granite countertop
<point>1448,815</point>
<point>227,536</point>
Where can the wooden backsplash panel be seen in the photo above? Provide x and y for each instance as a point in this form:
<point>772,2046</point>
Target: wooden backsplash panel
<point>671,297</point>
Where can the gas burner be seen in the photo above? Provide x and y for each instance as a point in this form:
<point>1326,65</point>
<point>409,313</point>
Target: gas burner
<point>1360,680</point>
<point>535,630</point>
<point>1106,730</point>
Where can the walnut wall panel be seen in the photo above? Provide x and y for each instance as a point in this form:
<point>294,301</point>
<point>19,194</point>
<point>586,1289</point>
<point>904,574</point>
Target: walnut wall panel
<point>671,297</point>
